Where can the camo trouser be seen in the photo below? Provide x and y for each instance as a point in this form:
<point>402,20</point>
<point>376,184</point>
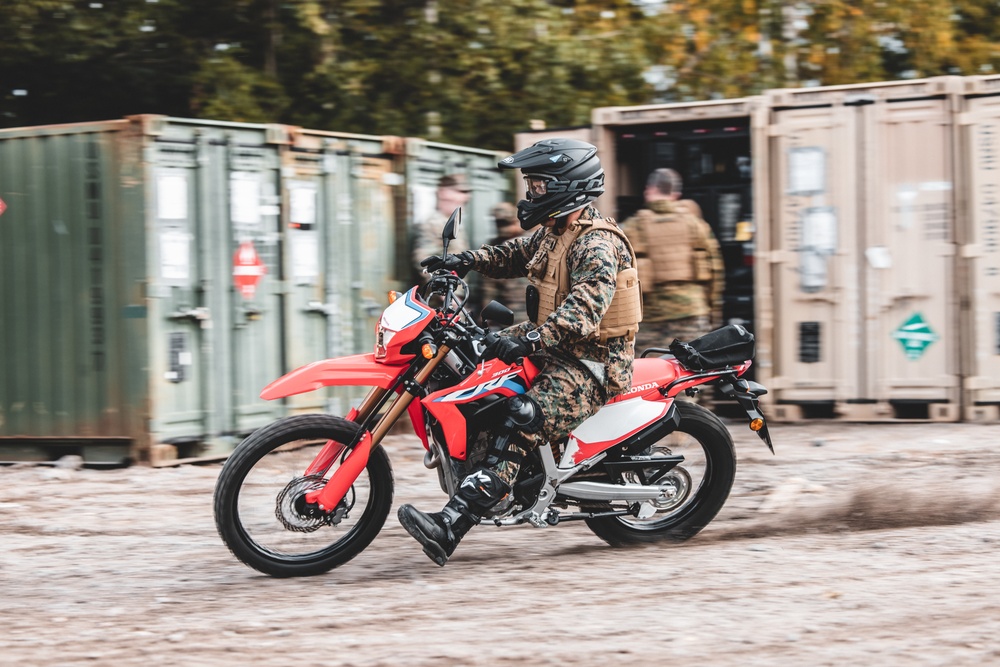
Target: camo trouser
<point>661,334</point>
<point>567,395</point>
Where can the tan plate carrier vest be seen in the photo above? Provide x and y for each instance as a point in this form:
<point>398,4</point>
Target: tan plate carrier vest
<point>549,273</point>
<point>675,251</point>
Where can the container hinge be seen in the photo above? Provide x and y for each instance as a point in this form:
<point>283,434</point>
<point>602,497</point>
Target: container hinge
<point>325,309</point>
<point>859,100</point>
<point>201,315</point>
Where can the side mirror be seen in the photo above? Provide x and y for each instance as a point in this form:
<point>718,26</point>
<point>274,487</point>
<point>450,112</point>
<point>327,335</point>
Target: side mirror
<point>449,233</point>
<point>499,313</point>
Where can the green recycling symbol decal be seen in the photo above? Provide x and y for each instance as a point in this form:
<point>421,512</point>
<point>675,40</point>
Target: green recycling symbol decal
<point>915,336</point>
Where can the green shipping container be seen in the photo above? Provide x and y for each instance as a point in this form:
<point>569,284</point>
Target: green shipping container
<point>141,301</point>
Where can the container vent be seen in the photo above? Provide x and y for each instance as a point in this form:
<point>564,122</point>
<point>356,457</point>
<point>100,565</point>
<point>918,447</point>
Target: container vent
<point>809,342</point>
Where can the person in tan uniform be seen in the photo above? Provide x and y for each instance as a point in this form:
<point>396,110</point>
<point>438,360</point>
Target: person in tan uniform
<point>680,265</point>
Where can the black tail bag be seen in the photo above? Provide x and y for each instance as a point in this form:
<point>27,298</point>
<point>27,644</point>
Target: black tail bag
<point>727,346</point>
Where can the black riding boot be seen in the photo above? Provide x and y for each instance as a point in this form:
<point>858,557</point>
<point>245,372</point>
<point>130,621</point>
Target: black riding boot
<point>440,532</point>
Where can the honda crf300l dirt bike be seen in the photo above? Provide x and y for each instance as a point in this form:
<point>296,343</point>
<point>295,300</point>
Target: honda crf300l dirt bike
<point>309,492</point>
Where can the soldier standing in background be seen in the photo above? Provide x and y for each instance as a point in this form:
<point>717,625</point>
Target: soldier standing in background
<point>508,292</point>
<point>452,192</point>
<point>680,265</point>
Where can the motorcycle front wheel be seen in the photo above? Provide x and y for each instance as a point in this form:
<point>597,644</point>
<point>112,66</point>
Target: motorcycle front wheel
<point>700,485</point>
<point>260,508</point>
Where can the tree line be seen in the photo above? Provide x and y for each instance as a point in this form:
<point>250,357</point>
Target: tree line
<point>470,72</point>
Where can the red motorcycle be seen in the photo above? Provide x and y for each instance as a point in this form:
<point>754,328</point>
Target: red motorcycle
<point>308,493</point>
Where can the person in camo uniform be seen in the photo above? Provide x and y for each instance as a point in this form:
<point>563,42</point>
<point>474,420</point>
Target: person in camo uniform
<point>583,313</point>
<point>680,265</point>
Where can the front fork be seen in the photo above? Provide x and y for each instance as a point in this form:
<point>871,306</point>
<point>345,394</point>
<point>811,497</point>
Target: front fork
<point>343,478</point>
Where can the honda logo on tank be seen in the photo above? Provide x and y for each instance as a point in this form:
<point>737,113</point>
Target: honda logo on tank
<point>248,269</point>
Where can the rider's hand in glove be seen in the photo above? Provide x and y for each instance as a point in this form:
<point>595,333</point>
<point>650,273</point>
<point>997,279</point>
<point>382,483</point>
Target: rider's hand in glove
<point>509,349</point>
<point>460,263</point>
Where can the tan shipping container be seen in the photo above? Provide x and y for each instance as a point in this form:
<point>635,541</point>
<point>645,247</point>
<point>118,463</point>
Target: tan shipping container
<point>866,319</point>
<point>719,147</point>
<point>979,239</point>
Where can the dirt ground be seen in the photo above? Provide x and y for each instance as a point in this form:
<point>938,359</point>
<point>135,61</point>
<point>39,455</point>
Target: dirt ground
<point>854,545</point>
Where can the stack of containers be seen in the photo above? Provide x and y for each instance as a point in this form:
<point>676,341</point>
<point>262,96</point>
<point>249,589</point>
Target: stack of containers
<point>159,272</point>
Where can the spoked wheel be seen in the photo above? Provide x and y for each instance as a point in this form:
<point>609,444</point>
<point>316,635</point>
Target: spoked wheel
<point>261,510</point>
<point>692,493</point>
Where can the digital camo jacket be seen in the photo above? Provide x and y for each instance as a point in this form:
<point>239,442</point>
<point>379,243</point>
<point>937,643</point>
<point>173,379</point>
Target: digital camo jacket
<point>594,262</point>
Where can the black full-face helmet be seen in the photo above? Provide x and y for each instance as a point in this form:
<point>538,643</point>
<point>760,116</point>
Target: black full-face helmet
<point>560,176</point>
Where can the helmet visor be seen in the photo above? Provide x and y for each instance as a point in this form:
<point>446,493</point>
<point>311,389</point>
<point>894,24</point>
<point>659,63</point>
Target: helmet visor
<point>536,186</point>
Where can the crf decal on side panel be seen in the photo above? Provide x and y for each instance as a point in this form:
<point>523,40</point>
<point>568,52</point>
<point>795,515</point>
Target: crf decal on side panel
<point>504,382</point>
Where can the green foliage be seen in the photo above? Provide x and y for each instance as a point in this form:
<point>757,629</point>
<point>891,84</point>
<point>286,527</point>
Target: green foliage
<point>460,71</point>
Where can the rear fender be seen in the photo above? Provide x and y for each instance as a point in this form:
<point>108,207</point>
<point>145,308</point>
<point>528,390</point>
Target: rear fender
<point>355,370</point>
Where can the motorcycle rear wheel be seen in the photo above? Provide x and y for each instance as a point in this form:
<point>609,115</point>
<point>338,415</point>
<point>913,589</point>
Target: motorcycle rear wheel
<point>709,470</point>
<point>259,495</point>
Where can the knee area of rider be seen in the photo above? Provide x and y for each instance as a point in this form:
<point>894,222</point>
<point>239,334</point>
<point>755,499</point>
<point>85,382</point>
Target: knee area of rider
<point>524,415</point>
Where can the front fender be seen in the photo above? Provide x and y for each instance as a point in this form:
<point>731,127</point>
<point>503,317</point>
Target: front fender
<point>355,370</point>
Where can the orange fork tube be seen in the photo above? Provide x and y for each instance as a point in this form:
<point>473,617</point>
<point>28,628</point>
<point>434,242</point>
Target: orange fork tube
<point>332,448</point>
<point>330,495</point>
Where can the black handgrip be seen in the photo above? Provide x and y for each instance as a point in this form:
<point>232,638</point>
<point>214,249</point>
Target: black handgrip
<point>489,339</point>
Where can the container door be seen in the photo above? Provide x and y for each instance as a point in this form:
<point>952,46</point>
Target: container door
<point>308,309</point>
<point>180,314</point>
<point>61,336</point>
<point>373,245</point>
<point>980,239</point>
<point>817,328</point>
<point>340,238</point>
<point>254,287</point>
<point>908,265</point>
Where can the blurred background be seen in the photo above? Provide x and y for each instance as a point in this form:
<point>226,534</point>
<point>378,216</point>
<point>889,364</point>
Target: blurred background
<point>470,72</point>
<point>199,197</point>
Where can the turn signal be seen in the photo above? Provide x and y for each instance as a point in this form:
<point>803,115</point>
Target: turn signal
<point>393,295</point>
<point>756,424</point>
<point>428,350</point>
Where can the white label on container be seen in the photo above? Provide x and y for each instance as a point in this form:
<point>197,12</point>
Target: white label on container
<point>302,203</point>
<point>806,170</point>
<point>244,198</point>
<point>175,256</point>
<point>424,201</point>
<point>171,196</point>
<point>906,194</point>
<point>305,256</point>
<point>935,186</point>
<point>819,230</point>
<point>878,257</point>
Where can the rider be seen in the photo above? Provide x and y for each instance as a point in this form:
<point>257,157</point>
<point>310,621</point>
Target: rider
<point>583,308</point>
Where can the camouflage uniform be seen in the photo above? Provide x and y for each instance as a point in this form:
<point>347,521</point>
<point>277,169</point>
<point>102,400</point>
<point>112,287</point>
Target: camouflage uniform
<point>683,310</point>
<point>566,390</point>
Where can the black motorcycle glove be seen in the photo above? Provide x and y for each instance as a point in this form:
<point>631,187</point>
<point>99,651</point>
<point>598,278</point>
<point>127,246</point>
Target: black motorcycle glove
<point>509,349</point>
<point>460,263</point>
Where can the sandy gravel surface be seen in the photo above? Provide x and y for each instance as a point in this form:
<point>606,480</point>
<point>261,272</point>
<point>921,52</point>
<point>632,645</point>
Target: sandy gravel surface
<point>855,545</point>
